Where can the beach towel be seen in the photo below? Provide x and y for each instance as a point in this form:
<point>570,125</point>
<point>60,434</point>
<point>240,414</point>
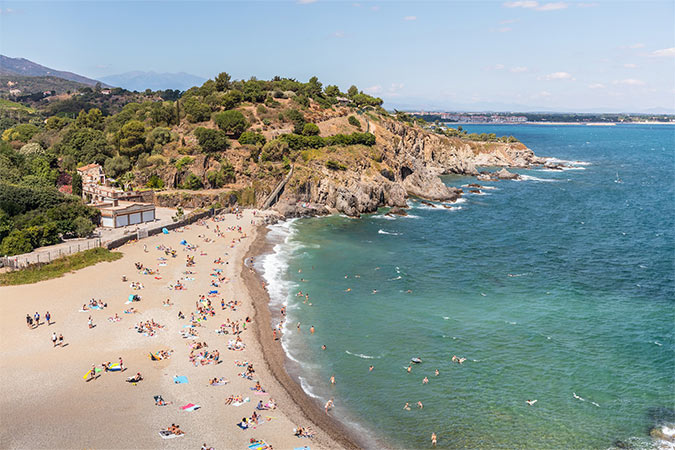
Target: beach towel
<point>258,445</point>
<point>180,379</point>
<point>213,292</point>
<point>154,358</point>
<point>165,434</point>
<point>114,367</point>
<point>301,448</point>
<point>190,407</point>
<point>240,403</point>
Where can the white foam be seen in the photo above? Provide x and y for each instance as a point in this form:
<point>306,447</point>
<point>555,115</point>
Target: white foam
<point>388,232</point>
<point>383,216</point>
<point>361,355</point>
<point>394,279</point>
<point>531,178</point>
<point>305,387</point>
<point>567,162</point>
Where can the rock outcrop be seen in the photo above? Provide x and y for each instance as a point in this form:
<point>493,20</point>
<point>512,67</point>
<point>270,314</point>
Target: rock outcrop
<point>406,161</point>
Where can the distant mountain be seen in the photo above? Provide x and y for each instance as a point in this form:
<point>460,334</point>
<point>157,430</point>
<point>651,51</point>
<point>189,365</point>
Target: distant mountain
<point>140,81</point>
<point>24,67</point>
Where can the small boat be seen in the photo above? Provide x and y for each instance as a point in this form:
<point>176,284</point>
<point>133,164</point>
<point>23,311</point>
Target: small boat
<point>415,360</point>
<point>618,180</point>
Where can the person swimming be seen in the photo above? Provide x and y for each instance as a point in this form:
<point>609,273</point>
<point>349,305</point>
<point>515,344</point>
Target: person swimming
<point>530,402</point>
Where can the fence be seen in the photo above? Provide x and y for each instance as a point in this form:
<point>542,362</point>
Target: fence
<point>48,255</point>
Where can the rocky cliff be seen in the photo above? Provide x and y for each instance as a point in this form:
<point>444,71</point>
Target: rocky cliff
<point>406,161</point>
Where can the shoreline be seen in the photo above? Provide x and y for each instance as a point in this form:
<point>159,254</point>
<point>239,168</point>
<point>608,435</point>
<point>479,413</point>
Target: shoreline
<point>273,354</point>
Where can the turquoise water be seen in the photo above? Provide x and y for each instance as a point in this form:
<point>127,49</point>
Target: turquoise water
<point>559,285</point>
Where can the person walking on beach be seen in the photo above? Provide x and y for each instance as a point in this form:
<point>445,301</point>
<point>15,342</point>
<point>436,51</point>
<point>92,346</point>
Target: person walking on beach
<point>60,339</point>
<point>29,321</point>
<point>37,319</point>
<point>54,339</point>
<point>48,317</point>
<point>121,364</point>
<point>329,405</point>
<point>90,323</point>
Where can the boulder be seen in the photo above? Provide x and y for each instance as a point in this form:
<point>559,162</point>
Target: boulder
<point>506,175</point>
<point>397,211</point>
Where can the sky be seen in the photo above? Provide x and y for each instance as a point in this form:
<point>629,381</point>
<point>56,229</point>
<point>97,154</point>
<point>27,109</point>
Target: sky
<point>521,55</point>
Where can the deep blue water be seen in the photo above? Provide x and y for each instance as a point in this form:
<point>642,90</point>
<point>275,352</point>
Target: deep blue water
<point>559,285</point>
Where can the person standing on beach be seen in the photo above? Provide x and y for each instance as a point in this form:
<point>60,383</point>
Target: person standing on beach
<point>60,339</point>
<point>90,323</point>
<point>37,319</point>
<point>54,338</point>
<point>48,317</point>
<point>29,321</point>
<point>121,364</point>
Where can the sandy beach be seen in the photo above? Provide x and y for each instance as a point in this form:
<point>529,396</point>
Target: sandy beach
<point>47,402</point>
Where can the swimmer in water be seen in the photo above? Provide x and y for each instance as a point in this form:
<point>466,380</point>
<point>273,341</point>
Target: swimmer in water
<point>332,379</point>
<point>374,291</point>
<point>409,291</point>
<point>530,402</point>
<point>433,439</point>
<point>348,290</point>
<point>409,369</point>
<point>370,369</point>
<point>323,347</point>
<point>437,372</point>
<point>311,329</point>
<point>425,380</point>
<point>329,405</point>
<point>407,406</point>
<point>420,405</point>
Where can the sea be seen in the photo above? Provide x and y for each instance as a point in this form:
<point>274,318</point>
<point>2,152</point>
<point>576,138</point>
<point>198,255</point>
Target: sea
<point>559,288</point>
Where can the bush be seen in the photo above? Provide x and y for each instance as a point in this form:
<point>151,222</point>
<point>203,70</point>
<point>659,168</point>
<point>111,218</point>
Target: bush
<point>117,165</point>
<point>212,140</point>
<point>192,182</point>
<point>252,138</point>
<point>275,150</point>
<point>298,142</point>
<point>231,122</point>
<point>195,110</point>
<point>353,121</point>
<point>183,162</point>
<point>155,182</point>
<point>333,165</point>
<point>310,129</point>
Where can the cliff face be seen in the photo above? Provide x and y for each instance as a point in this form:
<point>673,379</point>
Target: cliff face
<point>406,161</point>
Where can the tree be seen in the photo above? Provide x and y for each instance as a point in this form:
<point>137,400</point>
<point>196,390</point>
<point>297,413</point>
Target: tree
<point>196,111</point>
<point>83,226</point>
<point>86,145</point>
<point>313,88</point>
<point>92,119</point>
<point>231,100</point>
<point>212,140</point>
<point>231,122</point>
<point>353,90</point>
<point>116,166</point>
<point>22,132</point>
<point>158,138</point>
<point>132,138</point>
<point>295,116</point>
<point>222,82</point>
<point>310,129</point>
<point>155,182</point>
<point>76,184</point>
<point>332,91</point>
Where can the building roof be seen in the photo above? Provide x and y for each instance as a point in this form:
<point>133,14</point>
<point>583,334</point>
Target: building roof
<point>88,167</point>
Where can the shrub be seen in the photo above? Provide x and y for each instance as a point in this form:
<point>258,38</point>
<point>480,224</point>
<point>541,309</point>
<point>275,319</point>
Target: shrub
<point>333,165</point>
<point>252,138</point>
<point>183,162</point>
<point>155,182</point>
<point>260,109</point>
<point>353,121</point>
<point>83,227</point>
<point>310,129</point>
<point>192,182</point>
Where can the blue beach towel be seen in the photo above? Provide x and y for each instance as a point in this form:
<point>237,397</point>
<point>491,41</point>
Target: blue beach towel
<point>180,379</point>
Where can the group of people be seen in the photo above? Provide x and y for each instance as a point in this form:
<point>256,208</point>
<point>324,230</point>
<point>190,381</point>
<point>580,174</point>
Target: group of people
<point>149,327</point>
<point>34,321</point>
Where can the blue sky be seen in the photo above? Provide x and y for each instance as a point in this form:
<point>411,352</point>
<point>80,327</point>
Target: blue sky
<point>550,55</point>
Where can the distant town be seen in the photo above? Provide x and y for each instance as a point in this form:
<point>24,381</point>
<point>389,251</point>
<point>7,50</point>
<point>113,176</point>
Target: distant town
<point>521,118</point>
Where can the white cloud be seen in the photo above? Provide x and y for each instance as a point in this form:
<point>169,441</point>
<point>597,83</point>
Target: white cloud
<point>373,89</point>
<point>531,4</point>
<point>630,82</point>
<point>543,94</point>
<point>7,11</point>
<point>518,69</point>
<point>596,86</point>
<point>522,4</point>
<point>410,18</point>
<point>552,6</point>
<point>665,52</point>
<point>390,91</point>
<point>630,66</point>
<point>504,29</point>
<point>637,45</point>
<point>559,76</point>
<point>498,67</point>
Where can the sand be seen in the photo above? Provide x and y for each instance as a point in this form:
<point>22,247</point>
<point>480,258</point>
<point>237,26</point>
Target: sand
<point>46,403</point>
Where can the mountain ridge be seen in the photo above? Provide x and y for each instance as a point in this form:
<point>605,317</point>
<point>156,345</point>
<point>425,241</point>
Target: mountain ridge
<point>25,67</point>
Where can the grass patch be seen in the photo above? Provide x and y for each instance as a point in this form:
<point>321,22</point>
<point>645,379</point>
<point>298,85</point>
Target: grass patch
<point>6,104</point>
<point>58,267</point>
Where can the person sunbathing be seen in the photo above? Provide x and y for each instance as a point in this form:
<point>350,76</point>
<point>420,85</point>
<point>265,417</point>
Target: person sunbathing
<point>135,379</point>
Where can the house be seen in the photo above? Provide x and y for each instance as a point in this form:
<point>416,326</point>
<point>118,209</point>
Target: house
<point>92,173</point>
<point>106,91</point>
<point>121,214</point>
